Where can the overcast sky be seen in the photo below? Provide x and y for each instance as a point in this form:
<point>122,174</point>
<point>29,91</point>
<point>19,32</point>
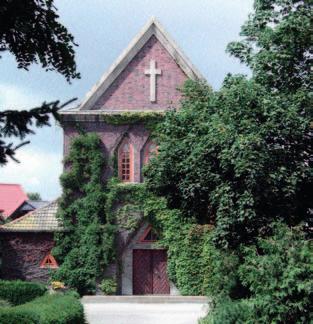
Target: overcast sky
<point>103,28</point>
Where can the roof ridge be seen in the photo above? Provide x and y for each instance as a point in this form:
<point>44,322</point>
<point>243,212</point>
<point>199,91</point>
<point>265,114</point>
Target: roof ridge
<point>27,214</point>
<point>152,28</point>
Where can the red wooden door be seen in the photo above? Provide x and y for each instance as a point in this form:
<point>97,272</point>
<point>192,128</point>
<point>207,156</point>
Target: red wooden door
<point>160,280</point>
<point>142,274</point>
<point>149,272</point>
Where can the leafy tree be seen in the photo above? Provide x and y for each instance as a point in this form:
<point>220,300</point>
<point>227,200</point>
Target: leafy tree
<point>31,32</point>
<point>237,160</point>
<point>34,196</point>
<point>277,44</point>
<point>240,158</point>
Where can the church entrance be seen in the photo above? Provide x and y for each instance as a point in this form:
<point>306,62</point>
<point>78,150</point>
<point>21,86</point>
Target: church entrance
<point>149,272</point>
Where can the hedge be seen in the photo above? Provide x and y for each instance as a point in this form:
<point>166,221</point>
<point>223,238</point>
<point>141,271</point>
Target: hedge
<point>48,309</point>
<point>19,292</point>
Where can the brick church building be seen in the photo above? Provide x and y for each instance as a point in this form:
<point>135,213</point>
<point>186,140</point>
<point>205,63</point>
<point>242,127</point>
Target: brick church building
<point>145,78</point>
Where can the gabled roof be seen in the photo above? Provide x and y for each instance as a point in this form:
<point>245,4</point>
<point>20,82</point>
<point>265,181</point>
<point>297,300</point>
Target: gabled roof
<point>38,203</point>
<point>153,27</point>
<point>40,220</point>
<point>12,197</point>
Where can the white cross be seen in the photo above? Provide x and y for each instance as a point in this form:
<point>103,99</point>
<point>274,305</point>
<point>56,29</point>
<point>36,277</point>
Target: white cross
<point>153,72</point>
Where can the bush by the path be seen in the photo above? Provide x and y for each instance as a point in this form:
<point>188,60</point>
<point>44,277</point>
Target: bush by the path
<point>48,309</point>
<point>19,292</point>
<point>277,274</point>
<point>229,312</point>
<point>108,286</point>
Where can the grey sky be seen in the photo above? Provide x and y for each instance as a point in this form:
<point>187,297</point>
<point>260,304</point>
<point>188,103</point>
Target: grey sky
<point>103,29</point>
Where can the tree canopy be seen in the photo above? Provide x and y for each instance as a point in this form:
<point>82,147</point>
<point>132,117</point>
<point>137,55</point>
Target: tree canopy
<point>34,196</point>
<point>278,44</point>
<point>30,31</point>
<point>234,175</point>
<point>239,157</point>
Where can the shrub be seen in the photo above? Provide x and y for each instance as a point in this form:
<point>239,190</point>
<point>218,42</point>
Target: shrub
<point>108,286</point>
<point>16,316</point>
<point>4,303</point>
<point>278,272</point>
<point>19,292</point>
<point>229,312</point>
<point>48,309</point>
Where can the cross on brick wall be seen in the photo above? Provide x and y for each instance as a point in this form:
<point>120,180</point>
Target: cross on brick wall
<point>153,72</point>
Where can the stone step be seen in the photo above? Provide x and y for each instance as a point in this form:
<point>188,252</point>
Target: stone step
<point>147,299</point>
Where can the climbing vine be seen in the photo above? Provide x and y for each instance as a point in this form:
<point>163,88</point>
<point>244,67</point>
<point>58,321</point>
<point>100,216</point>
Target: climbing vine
<point>87,244</point>
<point>149,119</point>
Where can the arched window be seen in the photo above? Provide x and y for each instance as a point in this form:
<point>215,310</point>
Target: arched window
<point>150,150</point>
<point>125,161</point>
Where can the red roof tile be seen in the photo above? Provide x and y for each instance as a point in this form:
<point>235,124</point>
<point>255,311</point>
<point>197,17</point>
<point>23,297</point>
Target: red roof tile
<point>12,197</point>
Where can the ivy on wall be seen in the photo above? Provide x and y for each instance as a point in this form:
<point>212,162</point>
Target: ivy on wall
<point>124,203</point>
<point>92,211</point>
<point>149,119</point>
<point>87,245</point>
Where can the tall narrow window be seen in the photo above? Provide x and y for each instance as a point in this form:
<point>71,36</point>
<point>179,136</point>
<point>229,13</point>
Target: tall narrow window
<point>125,162</point>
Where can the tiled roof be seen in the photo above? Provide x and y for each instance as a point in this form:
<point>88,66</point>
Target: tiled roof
<point>12,197</point>
<point>40,220</point>
<point>37,203</point>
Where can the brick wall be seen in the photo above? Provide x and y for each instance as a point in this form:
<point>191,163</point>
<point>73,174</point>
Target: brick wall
<point>131,89</point>
<point>22,254</point>
<point>111,136</point>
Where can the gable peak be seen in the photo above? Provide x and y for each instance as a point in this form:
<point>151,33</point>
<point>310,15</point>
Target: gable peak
<point>152,28</point>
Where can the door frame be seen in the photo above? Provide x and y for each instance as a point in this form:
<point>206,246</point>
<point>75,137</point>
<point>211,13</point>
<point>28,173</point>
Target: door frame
<point>133,270</point>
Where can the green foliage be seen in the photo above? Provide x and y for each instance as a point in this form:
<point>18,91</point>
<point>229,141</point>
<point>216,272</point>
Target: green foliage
<point>108,286</point>
<point>20,124</point>
<point>236,158</point>
<point>48,309</point>
<point>124,203</point>
<point>128,216</point>
<point>16,316</point>
<point>4,303</point>
<point>278,272</point>
<point>149,119</point>
<point>231,312</point>
<point>87,244</point>
<point>30,30</point>
<point>34,196</point>
<point>277,42</point>
<point>188,263</point>
<point>239,159</point>
<point>19,292</point>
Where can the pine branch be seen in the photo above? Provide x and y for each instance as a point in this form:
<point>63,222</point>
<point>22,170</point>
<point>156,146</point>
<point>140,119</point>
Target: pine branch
<point>14,123</point>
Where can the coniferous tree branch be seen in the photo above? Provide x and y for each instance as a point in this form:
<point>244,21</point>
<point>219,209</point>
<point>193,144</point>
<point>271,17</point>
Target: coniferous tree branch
<point>18,124</point>
<point>31,32</point>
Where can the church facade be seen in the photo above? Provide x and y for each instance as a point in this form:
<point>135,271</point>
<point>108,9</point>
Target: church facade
<point>145,79</point>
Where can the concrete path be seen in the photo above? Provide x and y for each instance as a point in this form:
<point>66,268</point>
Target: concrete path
<point>144,310</point>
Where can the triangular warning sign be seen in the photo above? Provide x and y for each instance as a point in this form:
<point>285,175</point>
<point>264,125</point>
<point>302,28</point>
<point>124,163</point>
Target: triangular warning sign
<point>49,262</point>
